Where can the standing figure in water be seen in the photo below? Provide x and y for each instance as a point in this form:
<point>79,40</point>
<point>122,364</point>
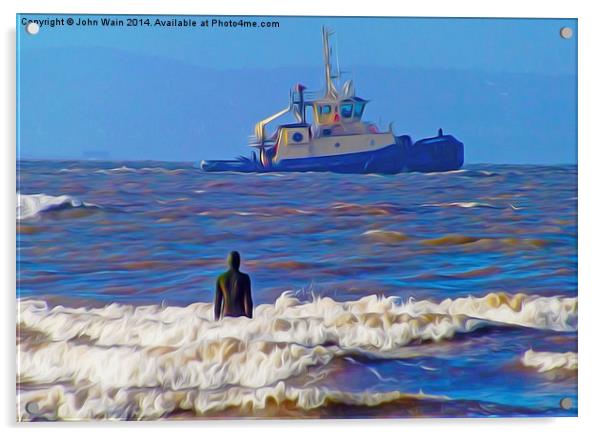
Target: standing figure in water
<point>233,291</point>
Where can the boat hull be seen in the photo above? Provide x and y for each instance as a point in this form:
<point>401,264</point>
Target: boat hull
<point>441,153</point>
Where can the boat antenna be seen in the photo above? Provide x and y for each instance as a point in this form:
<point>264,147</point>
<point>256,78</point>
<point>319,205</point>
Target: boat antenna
<point>339,71</point>
<point>330,88</point>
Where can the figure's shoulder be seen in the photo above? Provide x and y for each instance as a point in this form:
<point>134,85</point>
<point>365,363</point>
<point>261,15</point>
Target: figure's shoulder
<point>245,276</point>
<point>222,276</point>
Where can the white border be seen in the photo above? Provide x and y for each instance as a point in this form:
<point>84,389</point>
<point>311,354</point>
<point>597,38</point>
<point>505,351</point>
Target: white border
<point>590,291</point>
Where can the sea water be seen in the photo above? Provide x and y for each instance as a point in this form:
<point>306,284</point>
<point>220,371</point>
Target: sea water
<point>441,294</point>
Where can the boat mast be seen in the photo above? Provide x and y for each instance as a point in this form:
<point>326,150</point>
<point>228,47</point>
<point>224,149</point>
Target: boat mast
<point>331,92</point>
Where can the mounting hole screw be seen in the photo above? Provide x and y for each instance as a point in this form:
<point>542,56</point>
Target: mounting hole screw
<point>32,28</point>
<point>566,33</point>
<point>32,408</point>
<point>566,403</point>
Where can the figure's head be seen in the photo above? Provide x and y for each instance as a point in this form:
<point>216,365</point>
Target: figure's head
<point>234,260</point>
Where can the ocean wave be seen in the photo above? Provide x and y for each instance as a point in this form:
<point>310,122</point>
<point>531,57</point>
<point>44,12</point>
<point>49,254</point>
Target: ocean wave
<point>466,173</point>
<point>463,204</point>
<point>175,348</point>
<point>32,205</point>
<point>484,243</point>
<point>385,236</point>
<point>544,361</point>
<point>351,209</point>
<point>72,170</point>
<point>152,170</point>
<point>137,362</point>
<point>89,402</point>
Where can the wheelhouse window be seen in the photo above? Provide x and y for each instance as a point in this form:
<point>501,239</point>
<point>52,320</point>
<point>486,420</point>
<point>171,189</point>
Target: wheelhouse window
<point>347,110</point>
<point>325,109</point>
<point>359,109</point>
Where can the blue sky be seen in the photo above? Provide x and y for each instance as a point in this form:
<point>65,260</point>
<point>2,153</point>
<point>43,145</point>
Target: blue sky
<point>514,79</point>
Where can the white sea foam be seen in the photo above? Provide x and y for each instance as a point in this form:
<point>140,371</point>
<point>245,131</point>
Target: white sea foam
<point>463,204</point>
<point>72,170</point>
<point>125,169</point>
<point>32,205</point>
<point>150,355</point>
<point>545,361</point>
<point>465,173</point>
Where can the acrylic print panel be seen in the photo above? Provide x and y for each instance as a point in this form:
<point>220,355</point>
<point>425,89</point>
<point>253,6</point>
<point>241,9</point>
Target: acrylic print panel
<point>401,195</point>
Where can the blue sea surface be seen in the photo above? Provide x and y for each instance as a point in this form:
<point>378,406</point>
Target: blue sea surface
<point>141,233</point>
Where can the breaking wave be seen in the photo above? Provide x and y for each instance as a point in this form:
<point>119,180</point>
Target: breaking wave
<point>150,170</point>
<point>32,205</point>
<point>146,361</point>
<point>463,204</point>
<point>466,173</point>
<point>279,400</point>
<point>544,361</point>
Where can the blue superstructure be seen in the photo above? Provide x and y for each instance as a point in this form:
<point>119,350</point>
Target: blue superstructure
<point>337,139</point>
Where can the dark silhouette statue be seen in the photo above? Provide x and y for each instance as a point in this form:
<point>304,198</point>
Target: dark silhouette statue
<point>233,291</point>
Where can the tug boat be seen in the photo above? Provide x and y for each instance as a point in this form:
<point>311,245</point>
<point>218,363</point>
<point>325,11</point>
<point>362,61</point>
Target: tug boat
<point>337,139</point>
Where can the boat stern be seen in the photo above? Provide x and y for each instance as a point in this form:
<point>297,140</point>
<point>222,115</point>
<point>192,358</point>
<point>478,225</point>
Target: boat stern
<point>440,153</point>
